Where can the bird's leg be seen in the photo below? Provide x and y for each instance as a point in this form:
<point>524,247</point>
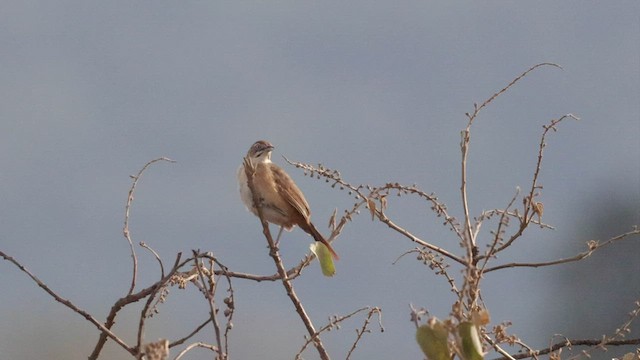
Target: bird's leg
<point>279,234</point>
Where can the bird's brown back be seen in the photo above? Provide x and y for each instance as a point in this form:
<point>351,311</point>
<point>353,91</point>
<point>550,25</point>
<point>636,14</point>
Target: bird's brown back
<point>282,201</point>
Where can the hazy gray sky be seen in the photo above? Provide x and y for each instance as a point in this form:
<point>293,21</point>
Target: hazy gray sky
<point>90,91</point>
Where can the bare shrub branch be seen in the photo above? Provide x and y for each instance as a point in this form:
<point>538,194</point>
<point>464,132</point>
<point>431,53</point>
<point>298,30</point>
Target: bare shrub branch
<point>127,212</point>
<point>194,346</point>
<point>204,271</point>
<point>103,329</point>
<point>364,329</point>
<point>592,246</point>
<point>155,254</point>
<point>464,147</point>
<point>335,323</point>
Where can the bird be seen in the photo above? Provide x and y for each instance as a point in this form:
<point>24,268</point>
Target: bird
<point>280,199</point>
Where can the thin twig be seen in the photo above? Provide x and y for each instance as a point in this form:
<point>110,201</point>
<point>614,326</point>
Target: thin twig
<point>525,346</point>
<point>528,212</point>
<point>127,211</point>
<point>292,273</point>
<point>498,233</point>
<point>143,316</point>
<point>436,264</point>
<point>360,332</point>
<point>503,90</point>
<point>197,345</point>
<point>384,219</point>
<point>592,245</point>
<point>335,323</point>
<point>230,303</point>
<point>469,240</point>
<point>209,296</point>
<point>485,215</point>
<point>541,147</point>
<point>497,347</point>
<point>197,329</point>
<point>155,254</point>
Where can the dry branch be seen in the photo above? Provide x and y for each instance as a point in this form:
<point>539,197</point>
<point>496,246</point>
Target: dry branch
<point>103,329</point>
<point>127,212</point>
<point>570,343</point>
<point>592,246</point>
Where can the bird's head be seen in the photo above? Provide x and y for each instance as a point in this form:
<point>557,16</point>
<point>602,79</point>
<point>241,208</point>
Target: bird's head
<point>260,151</point>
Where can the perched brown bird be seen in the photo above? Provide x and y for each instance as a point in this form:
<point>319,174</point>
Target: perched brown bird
<point>281,200</point>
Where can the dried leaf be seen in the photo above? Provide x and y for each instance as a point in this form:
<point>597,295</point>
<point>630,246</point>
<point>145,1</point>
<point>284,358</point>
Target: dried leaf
<point>371,204</point>
<point>383,202</point>
<point>538,208</point>
<point>158,350</point>
<point>332,220</point>
<point>630,356</point>
<point>480,317</point>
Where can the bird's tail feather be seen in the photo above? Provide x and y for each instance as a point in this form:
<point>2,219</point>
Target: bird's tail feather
<point>318,237</point>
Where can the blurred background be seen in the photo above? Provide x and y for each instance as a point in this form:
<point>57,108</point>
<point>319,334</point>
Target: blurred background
<point>90,91</point>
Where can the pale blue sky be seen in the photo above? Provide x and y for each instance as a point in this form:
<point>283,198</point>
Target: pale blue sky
<point>90,91</point>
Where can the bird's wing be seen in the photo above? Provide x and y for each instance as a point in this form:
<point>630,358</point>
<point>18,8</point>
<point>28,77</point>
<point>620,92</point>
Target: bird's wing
<point>290,191</point>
